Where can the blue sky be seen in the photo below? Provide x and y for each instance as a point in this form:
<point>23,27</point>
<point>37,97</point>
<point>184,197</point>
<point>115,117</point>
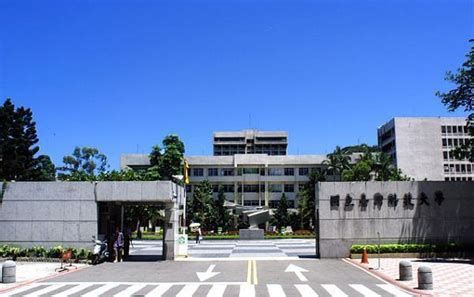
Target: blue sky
<point>119,76</point>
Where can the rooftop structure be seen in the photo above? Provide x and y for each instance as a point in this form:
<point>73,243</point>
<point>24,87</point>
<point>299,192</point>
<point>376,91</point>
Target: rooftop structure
<point>250,142</point>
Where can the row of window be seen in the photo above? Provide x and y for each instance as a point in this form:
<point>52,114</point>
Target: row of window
<point>449,155</point>
<point>271,203</point>
<point>458,168</point>
<point>454,129</point>
<point>271,171</point>
<point>454,142</point>
<point>253,188</point>
<point>458,179</point>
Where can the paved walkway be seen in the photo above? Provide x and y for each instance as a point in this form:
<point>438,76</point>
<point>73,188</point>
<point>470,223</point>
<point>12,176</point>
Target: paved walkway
<point>275,248</point>
<point>450,277</point>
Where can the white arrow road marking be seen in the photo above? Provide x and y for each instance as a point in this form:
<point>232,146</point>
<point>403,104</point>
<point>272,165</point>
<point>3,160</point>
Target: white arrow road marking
<point>298,271</point>
<point>208,274</point>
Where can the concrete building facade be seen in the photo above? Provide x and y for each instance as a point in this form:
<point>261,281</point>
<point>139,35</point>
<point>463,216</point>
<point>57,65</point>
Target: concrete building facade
<point>229,143</point>
<point>247,179</point>
<point>422,147</point>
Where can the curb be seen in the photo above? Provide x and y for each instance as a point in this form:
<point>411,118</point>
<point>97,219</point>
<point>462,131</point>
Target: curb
<point>2,291</point>
<point>387,278</point>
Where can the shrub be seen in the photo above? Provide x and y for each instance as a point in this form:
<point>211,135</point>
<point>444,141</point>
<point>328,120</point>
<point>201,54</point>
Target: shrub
<point>409,248</point>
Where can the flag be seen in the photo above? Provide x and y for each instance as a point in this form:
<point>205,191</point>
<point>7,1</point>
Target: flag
<point>186,174</point>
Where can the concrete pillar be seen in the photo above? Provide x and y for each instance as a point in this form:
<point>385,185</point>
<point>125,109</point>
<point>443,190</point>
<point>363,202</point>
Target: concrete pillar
<point>425,278</point>
<point>170,231</point>
<point>405,271</point>
<point>9,272</point>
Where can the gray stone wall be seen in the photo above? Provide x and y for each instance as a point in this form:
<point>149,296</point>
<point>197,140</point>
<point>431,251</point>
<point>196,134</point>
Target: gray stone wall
<point>341,226</point>
<point>48,214</point>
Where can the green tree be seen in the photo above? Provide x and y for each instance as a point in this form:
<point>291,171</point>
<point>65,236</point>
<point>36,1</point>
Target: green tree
<point>281,217</point>
<point>307,200</point>
<point>462,97</point>
<point>361,171</point>
<point>337,162</point>
<point>85,164</point>
<point>222,214</point>
<point>171,161</point>
<point>18,142</point>
<point>44,169</point>
<point>202,206</point>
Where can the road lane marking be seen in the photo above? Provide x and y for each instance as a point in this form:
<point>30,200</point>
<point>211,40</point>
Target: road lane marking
<point>249,271</point>
<point>298,272</point>
<point>306,291</point>
<point>187,291</point>
<point>364,290</point>
<point>101,290</point>
<point>130,290</point>
<point>24,289</point>
<point>247,290</point>
<point>158,291</point>
<point>275,291</point>
<point>393,290</point>
<point>216,291</point>
<point>72,290</point>
<point>255,278</point>
<point>44,290</point>
<point>334,290</point>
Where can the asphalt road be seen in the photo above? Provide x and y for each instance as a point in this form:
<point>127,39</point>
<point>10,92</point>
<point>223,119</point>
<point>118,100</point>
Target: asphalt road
<point>308,277</point>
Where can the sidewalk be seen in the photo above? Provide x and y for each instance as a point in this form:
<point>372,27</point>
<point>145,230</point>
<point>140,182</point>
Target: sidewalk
<point>27,272</point>
<point>450,277</point>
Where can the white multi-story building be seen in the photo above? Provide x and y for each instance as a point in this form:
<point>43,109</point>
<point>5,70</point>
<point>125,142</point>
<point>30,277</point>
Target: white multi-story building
<point>251,166</point>
<point>422,147</point>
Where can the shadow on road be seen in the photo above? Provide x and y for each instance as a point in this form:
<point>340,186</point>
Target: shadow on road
<point>144,258</point>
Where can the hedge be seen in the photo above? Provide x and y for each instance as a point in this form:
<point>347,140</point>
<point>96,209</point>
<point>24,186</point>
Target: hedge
<point>410,248</point>
<point>40,252</point>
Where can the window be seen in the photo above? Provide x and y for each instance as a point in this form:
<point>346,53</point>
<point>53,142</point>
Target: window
<point>303,171</point>
<point>455,142</point>
<point>289,171</point>
<point>468,168</point>
<point>455,129</point>
<point>289,188</point>
<point>275,188</point>
<point>443,129</point>
<point>262,188</point>
<point>446,178</point>
<point>445,143</point>
<point>212,172</point>
<point>262,171</point>
<point>251,188</point>
<point>460,129</point>
<point>275,171</point>
<point>227,171</point>
<point>198,172</point>
<point>445,155</point>
<point>446,168</point>
<point>450,142</point>
<point>251,203</point>
<point>274,203</point>
<point>215,188</point>
<point>457,168</point>
<point>251,171</point>
<point>228,188</point>
<point>189,188</point>
<point>463,168</point>
<point>448,129</point>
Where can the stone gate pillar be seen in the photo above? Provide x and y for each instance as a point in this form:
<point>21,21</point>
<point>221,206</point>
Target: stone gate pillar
<point>170,231</point>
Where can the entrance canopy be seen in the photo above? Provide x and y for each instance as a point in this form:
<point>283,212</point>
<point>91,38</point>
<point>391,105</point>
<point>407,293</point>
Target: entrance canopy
<point>140,192</point>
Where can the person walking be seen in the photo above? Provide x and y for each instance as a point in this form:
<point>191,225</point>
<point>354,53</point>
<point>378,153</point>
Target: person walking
<point>198,235</point>
<point>118,244</point>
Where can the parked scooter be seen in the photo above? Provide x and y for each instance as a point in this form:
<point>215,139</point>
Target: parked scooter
<point>101,252</point>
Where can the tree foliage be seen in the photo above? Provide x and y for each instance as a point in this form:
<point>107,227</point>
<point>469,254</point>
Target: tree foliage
<point>85,164</point>
<point>462,97</point>
<point>281,217</point>
<point>222,218</point>
<point>18,143</point>
<point>307,198</point>
<point>202,206</point>
<point>44,169</point>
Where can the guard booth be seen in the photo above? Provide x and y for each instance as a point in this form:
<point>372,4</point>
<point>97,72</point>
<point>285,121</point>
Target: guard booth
<point>113,197</point>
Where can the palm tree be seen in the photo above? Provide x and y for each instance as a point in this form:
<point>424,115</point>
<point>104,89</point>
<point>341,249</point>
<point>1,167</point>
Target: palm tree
<point>337,162</point>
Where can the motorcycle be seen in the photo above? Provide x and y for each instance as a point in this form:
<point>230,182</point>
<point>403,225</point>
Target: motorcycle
<point>100,252</point>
